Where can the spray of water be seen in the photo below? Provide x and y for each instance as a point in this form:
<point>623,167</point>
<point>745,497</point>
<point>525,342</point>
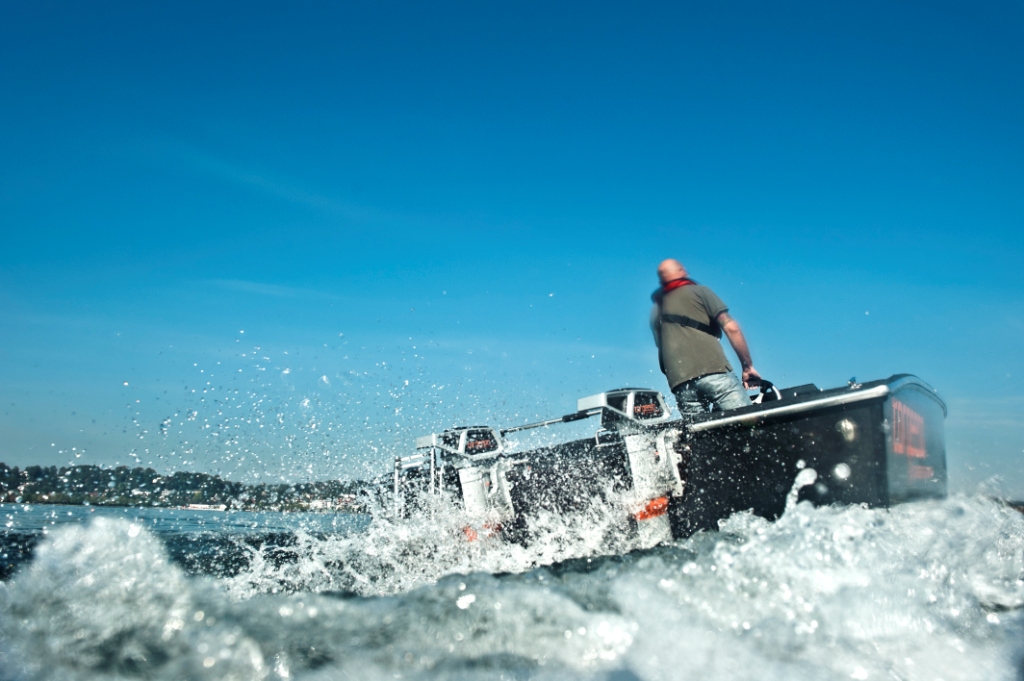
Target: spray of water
<point>922,591</point>
<point>394,555</point>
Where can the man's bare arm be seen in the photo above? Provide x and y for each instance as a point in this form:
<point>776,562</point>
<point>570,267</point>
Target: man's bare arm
<point>732,330</point>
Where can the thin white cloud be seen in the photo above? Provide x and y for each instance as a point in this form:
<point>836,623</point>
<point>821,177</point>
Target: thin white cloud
<point>265,182</point>
<point>272,290</point>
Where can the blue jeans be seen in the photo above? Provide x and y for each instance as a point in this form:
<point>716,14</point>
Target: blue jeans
<point>696,396</point>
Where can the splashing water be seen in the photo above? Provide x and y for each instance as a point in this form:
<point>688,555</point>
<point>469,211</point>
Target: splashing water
<point>921,591</point>
<point>393,556</point>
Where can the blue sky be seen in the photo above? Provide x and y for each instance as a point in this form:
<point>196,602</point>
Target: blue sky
<point>352,223</point>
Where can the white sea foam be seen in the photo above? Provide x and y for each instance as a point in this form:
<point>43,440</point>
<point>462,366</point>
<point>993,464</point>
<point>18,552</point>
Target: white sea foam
<point>921,591</point>
<point>392,556</point>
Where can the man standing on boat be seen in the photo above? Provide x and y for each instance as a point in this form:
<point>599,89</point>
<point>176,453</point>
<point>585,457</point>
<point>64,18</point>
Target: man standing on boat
<point>688,320</point>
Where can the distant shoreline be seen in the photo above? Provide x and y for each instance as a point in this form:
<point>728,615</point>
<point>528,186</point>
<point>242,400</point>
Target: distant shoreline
<point>195,507</point>
<point>89,485</point>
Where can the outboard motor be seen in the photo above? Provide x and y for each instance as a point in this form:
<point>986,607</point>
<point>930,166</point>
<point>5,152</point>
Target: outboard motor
<point>626,459</point>
<point>625,405</point>
<point>464,459</point>
<point>500,491</point>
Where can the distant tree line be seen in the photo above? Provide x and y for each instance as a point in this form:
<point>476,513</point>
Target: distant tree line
<point>123,486</point>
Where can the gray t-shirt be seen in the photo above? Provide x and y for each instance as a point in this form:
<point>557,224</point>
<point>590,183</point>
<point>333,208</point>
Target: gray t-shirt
<point>687,353</point>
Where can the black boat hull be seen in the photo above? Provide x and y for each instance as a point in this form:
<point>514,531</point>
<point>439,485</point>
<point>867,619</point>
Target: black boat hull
<point>884,449</point>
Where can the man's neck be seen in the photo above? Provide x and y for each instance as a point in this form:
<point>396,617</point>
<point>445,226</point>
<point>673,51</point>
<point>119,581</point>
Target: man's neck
<point>672,286</point>
<point>676,283</point>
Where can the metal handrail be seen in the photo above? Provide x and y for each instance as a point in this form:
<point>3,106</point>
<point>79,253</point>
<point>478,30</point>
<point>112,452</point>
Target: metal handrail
<point>856,395</point>
<point>577,416</point>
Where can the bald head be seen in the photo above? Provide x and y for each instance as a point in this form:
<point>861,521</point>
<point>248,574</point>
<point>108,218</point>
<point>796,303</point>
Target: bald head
<point>670,270</point>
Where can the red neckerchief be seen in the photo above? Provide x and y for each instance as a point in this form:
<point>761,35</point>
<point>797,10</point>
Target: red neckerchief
<point>671,286</point>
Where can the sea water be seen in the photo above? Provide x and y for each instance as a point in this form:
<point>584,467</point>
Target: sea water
<point>929,590</point>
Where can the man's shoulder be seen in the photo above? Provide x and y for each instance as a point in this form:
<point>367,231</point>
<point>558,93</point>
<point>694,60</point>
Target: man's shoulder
<point>712,302</point>
<point>698,290</point>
